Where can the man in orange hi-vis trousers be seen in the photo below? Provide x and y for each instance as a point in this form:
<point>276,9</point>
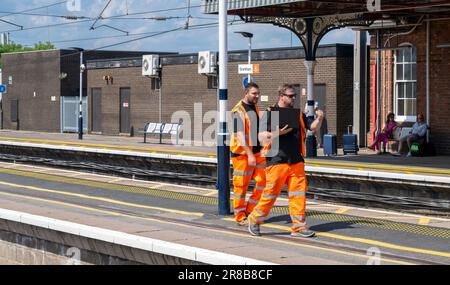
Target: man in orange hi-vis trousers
<point>287,166</point>
<point>248,163</point>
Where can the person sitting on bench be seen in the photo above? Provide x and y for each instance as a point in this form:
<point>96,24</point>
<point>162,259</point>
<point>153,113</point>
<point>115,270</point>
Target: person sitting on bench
<point>418,134</point>
<point>385,134</point>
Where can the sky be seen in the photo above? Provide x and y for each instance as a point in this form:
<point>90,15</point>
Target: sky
<point>137,18</point>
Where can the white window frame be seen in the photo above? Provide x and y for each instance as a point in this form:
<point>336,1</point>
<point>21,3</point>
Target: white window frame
<point>396,82</point>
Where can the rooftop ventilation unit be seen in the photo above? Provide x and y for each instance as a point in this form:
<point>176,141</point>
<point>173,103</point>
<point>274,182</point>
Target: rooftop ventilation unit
<point>207,62</point>
<point>150,65</point>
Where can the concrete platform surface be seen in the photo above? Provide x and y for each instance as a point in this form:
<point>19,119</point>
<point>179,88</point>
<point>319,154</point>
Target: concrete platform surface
<point>188,216</point>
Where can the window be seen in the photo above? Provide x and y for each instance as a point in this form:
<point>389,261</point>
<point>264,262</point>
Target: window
<point>405,83</point>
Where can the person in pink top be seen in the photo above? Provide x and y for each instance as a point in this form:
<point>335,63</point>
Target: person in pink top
<point>385,134</point>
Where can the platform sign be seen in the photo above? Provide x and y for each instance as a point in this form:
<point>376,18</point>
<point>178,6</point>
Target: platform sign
<point>249,69</point>
<point>245,81</point>
<point>3,89</point>
<point>256,69</point>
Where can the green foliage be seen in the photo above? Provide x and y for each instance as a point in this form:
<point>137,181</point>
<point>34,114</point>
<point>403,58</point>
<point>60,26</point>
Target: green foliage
<point>13,47</point>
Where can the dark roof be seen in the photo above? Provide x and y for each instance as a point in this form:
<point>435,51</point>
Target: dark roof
<point>331,50</point>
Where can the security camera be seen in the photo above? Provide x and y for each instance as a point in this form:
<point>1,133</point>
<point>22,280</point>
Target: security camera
<point>83,67</point>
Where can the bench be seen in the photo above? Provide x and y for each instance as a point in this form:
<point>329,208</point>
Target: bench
<point>162,129</point>
<point>399,133</point>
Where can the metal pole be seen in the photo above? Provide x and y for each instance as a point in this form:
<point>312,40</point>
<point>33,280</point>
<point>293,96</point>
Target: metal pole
<point>310,66</point>
<point>80,118</point>
<point>223,150</point>
<point>249,57</point>
<point>428,79</point>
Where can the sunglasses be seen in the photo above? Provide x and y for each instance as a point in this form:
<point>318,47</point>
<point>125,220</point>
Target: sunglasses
<point>290,95</point>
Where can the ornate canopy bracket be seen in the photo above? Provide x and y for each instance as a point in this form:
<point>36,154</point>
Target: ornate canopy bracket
<point>311,30</point>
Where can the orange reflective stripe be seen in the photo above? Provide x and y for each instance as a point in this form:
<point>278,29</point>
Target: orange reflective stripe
<point>235,146</point>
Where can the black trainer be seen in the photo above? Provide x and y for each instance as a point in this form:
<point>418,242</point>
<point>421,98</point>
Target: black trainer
<point>304,233</point>
<point>253,228</point>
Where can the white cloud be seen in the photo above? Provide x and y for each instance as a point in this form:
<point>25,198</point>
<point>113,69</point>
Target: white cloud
<point>265,36</point>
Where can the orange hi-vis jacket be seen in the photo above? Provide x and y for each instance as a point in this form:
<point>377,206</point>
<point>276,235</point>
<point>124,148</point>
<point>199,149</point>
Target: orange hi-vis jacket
<point>235,144</point>
<point>267,147</point>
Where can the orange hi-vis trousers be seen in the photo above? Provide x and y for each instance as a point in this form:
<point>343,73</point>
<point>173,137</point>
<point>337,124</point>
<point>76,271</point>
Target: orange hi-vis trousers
<point>242,176</point>
<point>277,176</point>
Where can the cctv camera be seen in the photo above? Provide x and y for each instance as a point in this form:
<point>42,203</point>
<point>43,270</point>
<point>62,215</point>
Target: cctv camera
<point>83,67</point>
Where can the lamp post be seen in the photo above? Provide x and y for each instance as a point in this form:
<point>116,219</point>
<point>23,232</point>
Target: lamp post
<point>223,150</point>
<point>249,36</point>
<point>80,117</point>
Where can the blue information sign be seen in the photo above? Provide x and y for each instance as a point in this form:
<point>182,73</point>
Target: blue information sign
<point>2,88</point>
<point>245,81</point>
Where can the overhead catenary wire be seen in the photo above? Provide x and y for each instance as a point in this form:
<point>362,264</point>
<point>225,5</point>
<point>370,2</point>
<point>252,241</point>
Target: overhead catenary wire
<point>153,34</point>
<point>33,9</point>
<point>83,19</point>
<point>100,16</point>
<point>194,27</point>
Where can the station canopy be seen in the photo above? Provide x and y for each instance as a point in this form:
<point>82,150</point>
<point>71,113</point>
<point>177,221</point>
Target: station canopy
<point>310,8</point>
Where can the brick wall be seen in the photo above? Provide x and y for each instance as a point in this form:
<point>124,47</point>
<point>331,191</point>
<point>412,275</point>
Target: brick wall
<point>182,87</point>
<point>439,71</point>
<point>33,73</point>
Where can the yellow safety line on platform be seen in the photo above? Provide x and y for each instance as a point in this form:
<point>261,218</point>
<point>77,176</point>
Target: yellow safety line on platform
<point>208,200</point>
<point>424,221</point>
<point>364,241</point>
<point>211,230</point>
<point>342,210</point>
<point>129,148</point>
<point>212,193</point>
<point>381,167</point>
<point>212,155</point>
<point>82,196</point>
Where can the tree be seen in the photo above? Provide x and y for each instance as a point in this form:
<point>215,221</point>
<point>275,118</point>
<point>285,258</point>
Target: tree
<point>13,47</point>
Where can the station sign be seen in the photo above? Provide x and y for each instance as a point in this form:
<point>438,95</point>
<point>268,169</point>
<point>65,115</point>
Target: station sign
<point>249,69</point>
<point>3,88</point>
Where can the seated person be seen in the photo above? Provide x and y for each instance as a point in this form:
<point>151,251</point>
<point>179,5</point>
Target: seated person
<point>385,134</point>
<point>418,134</point>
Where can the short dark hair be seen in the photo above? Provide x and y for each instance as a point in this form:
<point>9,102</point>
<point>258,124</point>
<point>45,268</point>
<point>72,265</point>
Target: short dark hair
<point>282,89</point>
<point>250,86</point>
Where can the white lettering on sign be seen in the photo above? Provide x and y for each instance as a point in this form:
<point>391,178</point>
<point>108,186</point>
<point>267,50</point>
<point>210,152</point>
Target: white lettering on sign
<point>126,105</point>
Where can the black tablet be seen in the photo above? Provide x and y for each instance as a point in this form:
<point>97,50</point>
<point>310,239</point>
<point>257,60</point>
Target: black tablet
<point>287,116</point>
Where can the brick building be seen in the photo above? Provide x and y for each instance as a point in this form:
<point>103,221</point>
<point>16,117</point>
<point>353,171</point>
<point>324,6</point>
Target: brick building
<point>182,87</point>
<point>39,83</point>
<point>404,80</point>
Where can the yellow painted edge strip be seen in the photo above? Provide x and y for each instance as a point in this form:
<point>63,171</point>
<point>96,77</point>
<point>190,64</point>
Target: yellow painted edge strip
<point>342,210</point>
<point>424,221</point>
<point>212,193</point>
<point>367,241</point>
<point>212,230</point>
<point>211,155</point>
<point>386,245</point>
<point>82,196</point>
<point>141,149</point>
<point>381,166</point>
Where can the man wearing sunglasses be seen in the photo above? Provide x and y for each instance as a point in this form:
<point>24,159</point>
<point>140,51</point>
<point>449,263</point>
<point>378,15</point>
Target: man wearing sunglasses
<point>287,166</point>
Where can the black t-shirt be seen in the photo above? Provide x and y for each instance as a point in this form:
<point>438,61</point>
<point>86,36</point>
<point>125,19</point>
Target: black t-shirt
<point>290,145</point>
<point>239,126</point>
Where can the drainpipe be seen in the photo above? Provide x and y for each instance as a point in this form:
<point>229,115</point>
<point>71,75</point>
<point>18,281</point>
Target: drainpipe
<point>378,81</point>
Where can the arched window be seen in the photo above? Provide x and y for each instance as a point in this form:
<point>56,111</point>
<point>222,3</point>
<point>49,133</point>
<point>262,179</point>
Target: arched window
<point>405,96</point>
